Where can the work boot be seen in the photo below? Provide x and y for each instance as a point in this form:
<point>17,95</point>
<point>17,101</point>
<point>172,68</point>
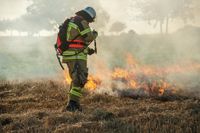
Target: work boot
<point>73,106</point>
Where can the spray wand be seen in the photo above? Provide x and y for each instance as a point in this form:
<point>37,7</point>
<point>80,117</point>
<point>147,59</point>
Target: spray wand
<point>95,46</point>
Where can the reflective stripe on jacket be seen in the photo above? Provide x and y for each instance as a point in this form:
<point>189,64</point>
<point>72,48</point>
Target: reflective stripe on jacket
<point>74,55</point>
<point>85,38</point>
<point>82,27</point>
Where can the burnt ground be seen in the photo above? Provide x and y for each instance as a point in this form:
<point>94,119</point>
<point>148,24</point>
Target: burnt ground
<point>36,106</point>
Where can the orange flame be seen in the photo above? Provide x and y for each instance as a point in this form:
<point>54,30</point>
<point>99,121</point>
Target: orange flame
<point>92,83</point>
<point>67,77</point>
<point>150,79</point>
<point>132,84</point>
<point>119,73</point>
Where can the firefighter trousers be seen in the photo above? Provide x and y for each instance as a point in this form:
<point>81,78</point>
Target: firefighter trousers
<point>78,72</point>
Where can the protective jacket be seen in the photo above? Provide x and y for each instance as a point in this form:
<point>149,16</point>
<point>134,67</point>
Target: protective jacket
<point>80,35</point>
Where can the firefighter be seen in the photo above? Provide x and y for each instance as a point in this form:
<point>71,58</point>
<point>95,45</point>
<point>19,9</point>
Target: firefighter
<point>80,35</point>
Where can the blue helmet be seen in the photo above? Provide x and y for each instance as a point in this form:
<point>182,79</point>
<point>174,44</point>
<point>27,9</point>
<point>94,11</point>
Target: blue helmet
<point>90,11</point>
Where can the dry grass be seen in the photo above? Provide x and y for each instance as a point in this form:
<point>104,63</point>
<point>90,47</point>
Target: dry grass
<point>36,107</point>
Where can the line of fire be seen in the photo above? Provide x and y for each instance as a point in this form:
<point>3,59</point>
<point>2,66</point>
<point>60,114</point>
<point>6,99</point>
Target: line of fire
<point>143,80</point>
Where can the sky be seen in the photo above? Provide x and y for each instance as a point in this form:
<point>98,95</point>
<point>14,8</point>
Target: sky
<point>36,52</point>
<point>126,10</point>
<point>12,9</point>
<point>120,11</point>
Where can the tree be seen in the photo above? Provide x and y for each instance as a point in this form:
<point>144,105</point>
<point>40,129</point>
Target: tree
<point>45,14</point>
<point>161,11</point>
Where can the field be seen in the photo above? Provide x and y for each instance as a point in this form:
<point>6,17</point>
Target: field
<point>36,106</point>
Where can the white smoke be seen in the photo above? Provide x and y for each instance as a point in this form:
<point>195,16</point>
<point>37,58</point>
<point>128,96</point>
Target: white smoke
<point>118,23</point>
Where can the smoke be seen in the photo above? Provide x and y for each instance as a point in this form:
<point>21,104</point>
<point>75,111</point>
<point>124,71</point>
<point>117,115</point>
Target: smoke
<point>33,56</point>
<point>177,53</point>
<point>117,27</point>
<point>30,57</point>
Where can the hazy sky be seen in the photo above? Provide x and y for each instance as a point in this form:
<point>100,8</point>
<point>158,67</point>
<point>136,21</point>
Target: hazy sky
<point>119,11</point>
<point>11,9</point>
<point>125,12</point>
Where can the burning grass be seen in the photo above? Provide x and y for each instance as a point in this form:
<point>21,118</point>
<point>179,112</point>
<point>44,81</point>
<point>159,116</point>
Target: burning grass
<point>142,80</point>
<point>35,106</point>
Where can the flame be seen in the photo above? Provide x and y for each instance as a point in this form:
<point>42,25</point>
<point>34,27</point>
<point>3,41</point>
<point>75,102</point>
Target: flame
<point>92,83</point>
<point>163,87</point>
<point>132,84</point>
<point>119,73</point>
<point>67,77</point>
<point>149,79</point>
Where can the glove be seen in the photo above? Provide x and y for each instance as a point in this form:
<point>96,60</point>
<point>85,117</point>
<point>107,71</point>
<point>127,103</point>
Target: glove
<point>95,33</point>
<point>58,52</point>
<point>91,51</point>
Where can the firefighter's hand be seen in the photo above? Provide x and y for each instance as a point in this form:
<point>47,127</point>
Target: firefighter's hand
<point>58,52</point>
<point>91,51</point>
<point>95,33</point>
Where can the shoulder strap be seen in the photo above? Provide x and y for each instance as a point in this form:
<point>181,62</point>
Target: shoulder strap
<point>77,20</point>
<point>76,23</point>
<point>83,32</point>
